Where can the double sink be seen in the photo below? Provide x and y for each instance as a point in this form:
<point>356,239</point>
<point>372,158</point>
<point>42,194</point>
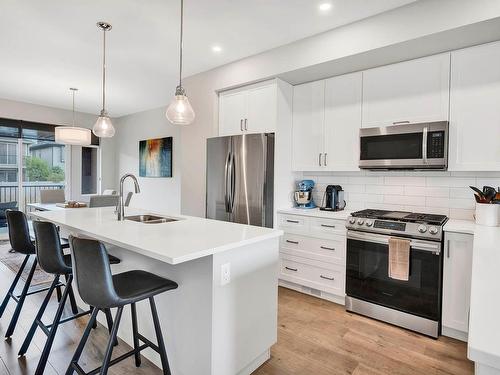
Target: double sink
<point>150,219</point>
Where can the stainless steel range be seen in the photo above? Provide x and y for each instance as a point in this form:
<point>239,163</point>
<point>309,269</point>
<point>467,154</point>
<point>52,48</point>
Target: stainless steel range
<point>414,304</point>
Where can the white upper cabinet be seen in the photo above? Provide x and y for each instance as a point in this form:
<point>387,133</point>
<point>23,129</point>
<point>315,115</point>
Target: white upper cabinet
<point>457,274</point>
<point>250,109</point>
<point>342,122</point>
<point>408,92</point>
<point>475,109</point>
<point>307,128</point>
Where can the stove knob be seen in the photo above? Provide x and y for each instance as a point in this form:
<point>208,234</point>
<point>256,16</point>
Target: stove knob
<point>369,223</point>
<point>422,228</point>
<point>352,220</point>
<point>433,230</point>
<point>360,221</point>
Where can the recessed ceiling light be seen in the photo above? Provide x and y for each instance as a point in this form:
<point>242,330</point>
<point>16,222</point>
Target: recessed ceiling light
<point>325,6</point>
<point>217,49</point>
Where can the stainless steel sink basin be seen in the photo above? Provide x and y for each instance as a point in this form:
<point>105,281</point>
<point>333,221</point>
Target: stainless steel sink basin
<point>150,219</point>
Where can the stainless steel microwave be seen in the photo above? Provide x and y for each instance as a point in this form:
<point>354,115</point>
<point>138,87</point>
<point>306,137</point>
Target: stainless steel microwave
<point>409,146</point>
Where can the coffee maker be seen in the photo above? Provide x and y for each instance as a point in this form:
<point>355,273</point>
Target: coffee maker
<point>303,196</point>
<point>333,199</point>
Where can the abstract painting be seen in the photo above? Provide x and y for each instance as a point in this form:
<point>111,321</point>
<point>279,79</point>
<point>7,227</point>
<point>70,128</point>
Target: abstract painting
<point>155,157</point>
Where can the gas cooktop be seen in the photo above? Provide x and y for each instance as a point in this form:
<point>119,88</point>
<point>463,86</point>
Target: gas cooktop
<point>408,217</point>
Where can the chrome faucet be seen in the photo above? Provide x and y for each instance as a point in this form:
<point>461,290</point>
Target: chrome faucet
<point>121,206</point>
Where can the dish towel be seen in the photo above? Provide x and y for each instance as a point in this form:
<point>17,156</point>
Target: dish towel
<point>399,259</point>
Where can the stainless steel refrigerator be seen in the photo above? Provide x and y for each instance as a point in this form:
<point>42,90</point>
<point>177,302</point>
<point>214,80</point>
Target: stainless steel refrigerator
<point>240,179</point>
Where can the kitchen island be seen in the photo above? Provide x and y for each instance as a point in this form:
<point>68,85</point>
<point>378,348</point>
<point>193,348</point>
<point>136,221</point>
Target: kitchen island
<point>220,323</point>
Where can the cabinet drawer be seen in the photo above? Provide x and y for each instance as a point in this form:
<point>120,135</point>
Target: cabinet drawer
<point>328,280</point>
<point>325,250</point>
<point>321,227</point>
<point>294,223</point>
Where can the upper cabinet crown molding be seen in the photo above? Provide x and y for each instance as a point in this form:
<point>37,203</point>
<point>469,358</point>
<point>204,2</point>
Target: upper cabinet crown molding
<point>249,109</point>
<point>408,92</point>
<point>475,109</point>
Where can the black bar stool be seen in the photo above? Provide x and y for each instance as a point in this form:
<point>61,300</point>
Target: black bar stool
<point>21,242</point>
<point>99,288</point>
<point>52,260</point>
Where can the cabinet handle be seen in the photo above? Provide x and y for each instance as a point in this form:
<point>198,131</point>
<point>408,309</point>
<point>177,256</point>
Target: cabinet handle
<point>294,242</point>
<point>246,124</point>
<point>292,221</point>
<point>291,269</point>
<point>328,226</point>
<point>241,124</point>
<point>319,159</point>
<point>327,278</point>
<point>448,249</point>
<point>400,122</point>
<point>327,248</point>
<point>326,159</point>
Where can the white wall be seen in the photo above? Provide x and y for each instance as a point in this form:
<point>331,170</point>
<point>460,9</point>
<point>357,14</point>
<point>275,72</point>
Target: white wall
<point>37,113</point>
<point>157,194</point>
<point>445,193</point>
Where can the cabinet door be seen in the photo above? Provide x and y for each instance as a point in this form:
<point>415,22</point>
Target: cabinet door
<point>261,109</point>
<point>232,112</point>
<point>475,109</point>
<point>457,272</point>
<point>412,91</point>
<point>342,122</point>
<point>307,132</point>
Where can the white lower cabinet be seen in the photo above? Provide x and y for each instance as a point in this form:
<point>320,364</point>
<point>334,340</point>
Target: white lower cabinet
<point>312,256</point>
<point>457,273</point>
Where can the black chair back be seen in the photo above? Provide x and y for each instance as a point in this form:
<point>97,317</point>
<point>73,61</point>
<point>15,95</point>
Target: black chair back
<point>19,232</point>
<point>48,249</point>
<point>92,272</point>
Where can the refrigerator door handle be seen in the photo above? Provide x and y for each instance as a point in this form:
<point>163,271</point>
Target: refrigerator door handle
<point>232,165</point>
<point>226,177</point>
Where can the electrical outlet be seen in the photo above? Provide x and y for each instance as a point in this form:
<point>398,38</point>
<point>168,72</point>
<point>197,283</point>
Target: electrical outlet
<point>225,274</point>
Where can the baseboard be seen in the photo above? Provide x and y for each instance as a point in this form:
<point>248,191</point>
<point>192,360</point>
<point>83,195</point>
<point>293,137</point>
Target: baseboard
<point>313,292</point>
<point>454,334</point>
<point>256,363</point>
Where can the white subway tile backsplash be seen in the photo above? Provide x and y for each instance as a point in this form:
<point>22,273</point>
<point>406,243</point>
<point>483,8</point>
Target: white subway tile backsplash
<point>445,193</point>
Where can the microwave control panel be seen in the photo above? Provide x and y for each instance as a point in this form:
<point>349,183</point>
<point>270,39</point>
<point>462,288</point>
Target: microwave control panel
<point>435,145</point>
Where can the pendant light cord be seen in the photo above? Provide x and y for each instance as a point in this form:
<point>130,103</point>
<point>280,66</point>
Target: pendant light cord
<point>181,43</point>
<point>73,107</point>
<point>104,71</point>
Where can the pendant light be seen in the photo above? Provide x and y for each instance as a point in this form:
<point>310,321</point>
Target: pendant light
<point>73,135</point>
<point>179,111</point>
<point>103,127</point>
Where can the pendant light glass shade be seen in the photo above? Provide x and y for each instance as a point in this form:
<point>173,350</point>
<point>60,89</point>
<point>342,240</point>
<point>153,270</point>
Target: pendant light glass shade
<point>179,111</point>
<point>73,135</point>
<point>103,127</point>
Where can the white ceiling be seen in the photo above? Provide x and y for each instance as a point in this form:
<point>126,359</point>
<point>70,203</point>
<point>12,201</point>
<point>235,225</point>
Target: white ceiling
<point>48,46</point>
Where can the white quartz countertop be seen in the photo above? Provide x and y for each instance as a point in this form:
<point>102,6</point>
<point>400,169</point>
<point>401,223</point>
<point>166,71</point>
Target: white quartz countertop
<point>316,212</point>
<point>484,319</point>
<point>175,242</point>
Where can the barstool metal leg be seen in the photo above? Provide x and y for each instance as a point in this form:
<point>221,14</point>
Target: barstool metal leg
<point>159,338</point>
<point>83,340</point>
<point>72,299</point>
<point>135,335</point>
<point>43,306</point>
<point>42,362</point>
<point>13,286</point>
<point>20,303</point>
<point>111,342</point>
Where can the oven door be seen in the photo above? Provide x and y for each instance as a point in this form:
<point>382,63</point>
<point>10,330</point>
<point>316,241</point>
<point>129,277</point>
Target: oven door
<point>412,146</point>
<point>367,276</point>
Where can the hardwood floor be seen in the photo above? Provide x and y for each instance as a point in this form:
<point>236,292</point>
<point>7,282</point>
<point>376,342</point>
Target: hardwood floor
<point>315,337</point>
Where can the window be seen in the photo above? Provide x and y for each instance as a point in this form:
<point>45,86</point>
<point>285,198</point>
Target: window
<point>8,153</point>
<point>89,170</point>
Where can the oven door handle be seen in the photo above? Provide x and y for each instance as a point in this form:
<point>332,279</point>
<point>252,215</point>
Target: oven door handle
<point>434,247</point>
